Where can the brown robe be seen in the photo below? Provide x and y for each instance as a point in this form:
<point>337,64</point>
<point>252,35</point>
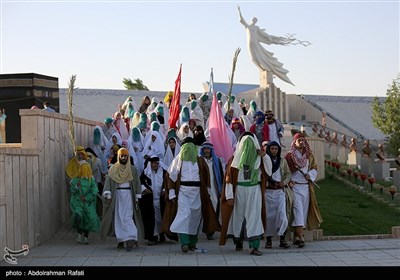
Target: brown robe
<point>231,176</point>
<point>210,221</point>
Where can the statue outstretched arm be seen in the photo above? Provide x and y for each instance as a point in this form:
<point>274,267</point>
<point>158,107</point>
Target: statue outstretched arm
<point>242,21</point>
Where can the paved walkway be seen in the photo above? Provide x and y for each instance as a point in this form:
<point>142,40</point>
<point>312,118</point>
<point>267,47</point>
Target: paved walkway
<point>64,251</point>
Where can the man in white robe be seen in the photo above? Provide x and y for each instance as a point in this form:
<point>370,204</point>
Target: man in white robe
<point>122,191</point>
<point>242,199</point>
<point>188,183</point>
<point>304,171</point>
<point>152,202</point>
<point>275,196</point>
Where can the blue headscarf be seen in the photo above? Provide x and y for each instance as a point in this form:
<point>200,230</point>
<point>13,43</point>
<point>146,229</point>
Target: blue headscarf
<point>261,119</point>
<point>216,166</point>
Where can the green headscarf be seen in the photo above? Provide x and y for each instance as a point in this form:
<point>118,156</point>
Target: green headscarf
<point>232,99</point>
<point>135,134</point>
<point>153,117</point>
<point>204,97</point>
<point>189,152</point>
<point>193,105</point>
<point>249,157</point>
<point>185,114</point>
<point>253,105</point>
<point>160,110</point>
<point>131,111</point>
<point>96,136</point>
<point>155,126</point>
<point>143,117</point>
<point>219,95</point>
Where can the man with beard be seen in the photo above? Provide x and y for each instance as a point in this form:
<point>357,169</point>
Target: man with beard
<point>275,196</point>
<point>152,202</point>
<point>122,191</point>
<point>217,171</point>
<point>304,171</point>
<point>242,199</point>
<point>188,201</point>
<point>275,127</point>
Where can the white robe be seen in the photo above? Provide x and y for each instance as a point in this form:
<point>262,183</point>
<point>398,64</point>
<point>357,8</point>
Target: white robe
<point>125,228</point>
<point>275,201</point>
<point>188,216</point>
<point>301,194</point>
<point>156,187</point>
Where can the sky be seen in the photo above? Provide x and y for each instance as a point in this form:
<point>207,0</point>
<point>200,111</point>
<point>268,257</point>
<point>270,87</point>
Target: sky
<point>354,47</point>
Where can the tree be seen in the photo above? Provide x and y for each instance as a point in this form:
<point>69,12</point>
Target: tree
<point>137,85</point>
<point>386,115</point>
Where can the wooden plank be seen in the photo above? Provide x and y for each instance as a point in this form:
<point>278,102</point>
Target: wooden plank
<point>17,202</point>
<point>45,188</point>
<point>59,168</point>
<point>30,201</point>
<point>24,199</point>
<point>53,183</point>
<point>36,199</point>
<point>9,201</point>
<point>2,177</point>
<point>3,227</point>
<point>39,215</point>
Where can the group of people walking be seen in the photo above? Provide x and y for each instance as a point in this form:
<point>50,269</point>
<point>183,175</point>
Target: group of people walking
<point>176,186</point>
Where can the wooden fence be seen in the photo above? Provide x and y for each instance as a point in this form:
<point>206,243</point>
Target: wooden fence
<point>34,199</point>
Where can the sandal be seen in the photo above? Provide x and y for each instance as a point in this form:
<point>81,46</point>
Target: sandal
<point>268,245</point>
<point>284,244</point>
<point>302,244</point>
<point>255,252</point>
<point>192,247</point>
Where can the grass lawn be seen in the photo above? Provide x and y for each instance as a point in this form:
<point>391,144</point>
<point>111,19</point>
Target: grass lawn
<point>347,211</point>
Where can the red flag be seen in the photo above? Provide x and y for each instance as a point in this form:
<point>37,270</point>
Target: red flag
<point>219,132</point>
<point>174,109</point>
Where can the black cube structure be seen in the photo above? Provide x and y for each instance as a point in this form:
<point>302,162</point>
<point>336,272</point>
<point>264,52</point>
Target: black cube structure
<point>22,91</point>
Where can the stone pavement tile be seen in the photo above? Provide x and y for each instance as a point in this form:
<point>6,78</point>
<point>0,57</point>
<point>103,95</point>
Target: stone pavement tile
<point>393,252</point>
<point>375,255</point>
<point>44,261</point>
<point>183,260</point>
<point>156,260</point>
<point>395,241</point>
<point>296,259</point>
<point>389,264</point>
<point>332,245</point>
<point>330,263</point>
<point>71,261</point>
<point>270,259</point>
<point>356,244</point>
<point>99,261</point>
<point>81,250</point>
<point>211,260</point>
<point>382,243</point>
<point>102,251</point>
<point>55,250</point>
<point>127,261</point>
<point>162,248</point>
<point>322,257</point>
<point>241,259</point>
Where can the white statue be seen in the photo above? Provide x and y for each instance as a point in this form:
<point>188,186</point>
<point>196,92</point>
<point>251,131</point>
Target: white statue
<point>260,56</point>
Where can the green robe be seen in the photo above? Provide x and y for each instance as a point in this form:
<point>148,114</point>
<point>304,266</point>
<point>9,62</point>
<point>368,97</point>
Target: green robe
<point>86,210</point>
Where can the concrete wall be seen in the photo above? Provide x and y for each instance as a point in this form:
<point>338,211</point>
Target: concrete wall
<point>34,199</point>
<point>269,98</point>
<point>299,107</point>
